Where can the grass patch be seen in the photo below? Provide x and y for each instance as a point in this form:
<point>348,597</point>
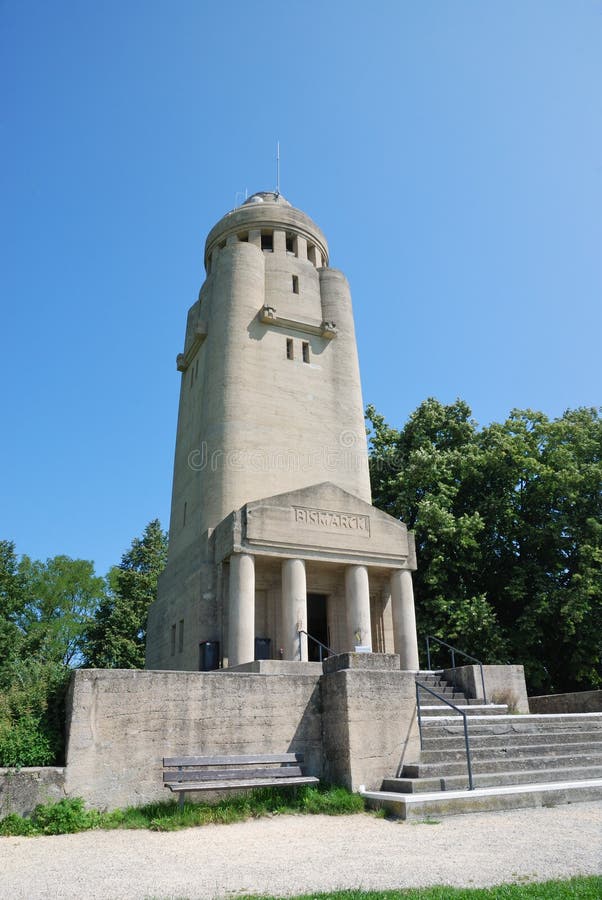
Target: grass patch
<point>585,888</point>
<point>70,815</point>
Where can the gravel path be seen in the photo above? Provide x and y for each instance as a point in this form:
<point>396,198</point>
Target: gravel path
<point>295,854</point>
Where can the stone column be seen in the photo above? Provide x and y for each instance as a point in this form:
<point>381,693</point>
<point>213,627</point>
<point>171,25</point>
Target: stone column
<point>357,602</point>
<point>404,619</point>
<point>294,609</point>
<point>242,609</point>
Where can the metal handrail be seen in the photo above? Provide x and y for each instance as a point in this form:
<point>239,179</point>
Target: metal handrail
<point>454,650</point>
<point>329,650</point>
<point>420,686</point>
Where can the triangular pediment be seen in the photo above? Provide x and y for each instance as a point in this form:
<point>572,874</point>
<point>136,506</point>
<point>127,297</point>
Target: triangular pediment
<point>328,496</point>
<point>325,518</point>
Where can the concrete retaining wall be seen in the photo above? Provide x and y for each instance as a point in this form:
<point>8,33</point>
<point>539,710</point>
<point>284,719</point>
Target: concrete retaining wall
<point>581,702</point>
<point>354,723</point>
<point>503,684</point>
<point>369,719</point>
<point>122,723</point>
<point>21,790</point>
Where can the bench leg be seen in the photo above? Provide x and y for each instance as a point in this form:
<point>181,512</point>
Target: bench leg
<point>181,800</point>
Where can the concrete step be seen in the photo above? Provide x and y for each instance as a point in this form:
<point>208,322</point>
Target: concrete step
<point>489,779</point>
<point>485,799</point>
<point>450,742</point>
<point>508,763</point>
<point>534,724</point>
<point>441,691</point>
<point>513,750</point>
<point>433,710</point>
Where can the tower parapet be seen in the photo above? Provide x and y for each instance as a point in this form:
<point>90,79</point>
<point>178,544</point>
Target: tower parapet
<point>269,222</point>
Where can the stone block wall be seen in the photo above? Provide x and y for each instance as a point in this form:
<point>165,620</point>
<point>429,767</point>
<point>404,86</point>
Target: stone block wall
<point>354,723</point>
<point>122,722</point>
<point>578,702</point>
<point>369,719</point>
<point>503,684</point>
<point>21,790</point>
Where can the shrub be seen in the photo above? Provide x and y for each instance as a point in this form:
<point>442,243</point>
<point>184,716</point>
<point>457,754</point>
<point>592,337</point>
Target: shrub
<point>65,817</point>
<point>32,712</point>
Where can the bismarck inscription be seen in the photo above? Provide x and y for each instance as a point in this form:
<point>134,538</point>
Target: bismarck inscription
<point>329,520</point>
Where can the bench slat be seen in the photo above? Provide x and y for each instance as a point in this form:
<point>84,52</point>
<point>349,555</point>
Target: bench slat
<point>220,774</point>
<point>232,760</point>
<point>242,783</point>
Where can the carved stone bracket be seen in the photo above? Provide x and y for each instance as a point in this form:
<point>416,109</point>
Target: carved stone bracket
<point>268,316</point>
<point>183,360</point>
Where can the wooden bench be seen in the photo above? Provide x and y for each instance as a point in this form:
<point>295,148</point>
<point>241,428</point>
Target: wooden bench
<point>224,773</point>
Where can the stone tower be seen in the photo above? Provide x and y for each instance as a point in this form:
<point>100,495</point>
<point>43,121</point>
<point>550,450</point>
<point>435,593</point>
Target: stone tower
<point>272,535</point>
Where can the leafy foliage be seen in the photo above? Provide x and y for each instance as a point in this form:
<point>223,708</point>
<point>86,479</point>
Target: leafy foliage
<point>116,639</point>
<point>44,609</point>
<point>509,535</point>
<point>49,613</point>
<point>69,815</point>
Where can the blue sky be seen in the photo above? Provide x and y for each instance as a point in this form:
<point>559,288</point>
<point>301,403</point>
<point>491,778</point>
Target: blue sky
<point>451,150</point>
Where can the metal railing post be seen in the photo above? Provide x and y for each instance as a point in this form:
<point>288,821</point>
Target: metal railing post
<point>483,683</point>
<point>420,686</point>
<point>419,714</point>
<point>428,654</point>
<point>321,647</point>
<point>468,760</point>
<point>453,651</point>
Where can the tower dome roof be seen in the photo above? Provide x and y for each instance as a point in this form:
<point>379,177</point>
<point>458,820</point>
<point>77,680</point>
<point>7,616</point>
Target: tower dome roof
<point>265,211</point>
<point>266,197</point>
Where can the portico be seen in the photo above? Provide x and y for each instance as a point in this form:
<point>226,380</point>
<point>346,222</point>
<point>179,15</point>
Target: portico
<point>318,542</point>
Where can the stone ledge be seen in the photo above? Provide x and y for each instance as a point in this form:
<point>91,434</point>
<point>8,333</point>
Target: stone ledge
<point>364,661</point>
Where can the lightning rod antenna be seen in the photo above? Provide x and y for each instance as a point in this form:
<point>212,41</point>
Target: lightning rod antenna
<point>277,168</point>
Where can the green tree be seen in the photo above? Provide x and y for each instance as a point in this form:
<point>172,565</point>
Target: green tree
<point>12,599</point>
<point>61,597</point>
<point>541,501</point>
<point>116,638</point>
<point>421,474</point>
<point>45,608</point>
<point>507,521</point>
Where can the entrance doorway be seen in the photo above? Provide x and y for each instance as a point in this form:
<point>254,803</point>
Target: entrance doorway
<point>317,624</point>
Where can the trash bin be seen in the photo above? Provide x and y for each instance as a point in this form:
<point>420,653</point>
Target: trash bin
<point>262,648</point>
<point>209,656</point>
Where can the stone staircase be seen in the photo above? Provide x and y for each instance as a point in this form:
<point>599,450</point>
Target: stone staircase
<point>517,760</point>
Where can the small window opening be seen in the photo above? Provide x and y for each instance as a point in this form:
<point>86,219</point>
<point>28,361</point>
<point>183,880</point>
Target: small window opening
<point>305,350</point>
<point>311,253</point>
<point>243,236</point>
<point>267,241</point>
<point>172,641</point>
<point>184,516</point>
<point>289,348</point>
<point>181,636</point>
<point>295,284</point>
<point>290,243</point>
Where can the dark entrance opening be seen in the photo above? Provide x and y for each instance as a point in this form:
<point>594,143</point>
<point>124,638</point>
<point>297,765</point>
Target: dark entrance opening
<point>317,625</point>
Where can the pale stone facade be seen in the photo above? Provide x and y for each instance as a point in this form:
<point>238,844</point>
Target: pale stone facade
<point>272,534</point>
